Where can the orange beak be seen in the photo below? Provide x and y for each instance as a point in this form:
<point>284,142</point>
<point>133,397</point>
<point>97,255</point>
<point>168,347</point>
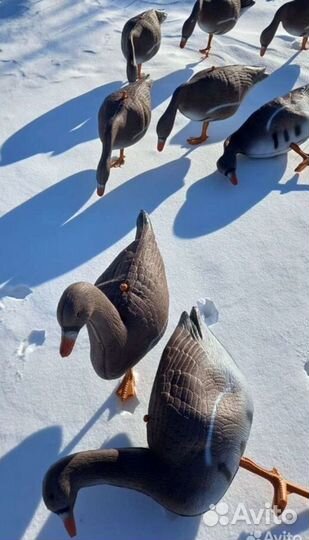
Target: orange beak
<point>100,190</point>
<point>66,346</point>
<point>233,178</point>
<point>263,51</point>
<point>183,42</point>
<point>69,523</point>
<point>160,145</point>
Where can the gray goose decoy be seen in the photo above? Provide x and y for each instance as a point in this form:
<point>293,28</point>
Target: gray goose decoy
<point>212,94</point>
<point>141,40</point>
<point>199,420</point>
<point>198,423</point>
<point>213,17</point>
<point>124,118</point>
<point>274,129</point>
<point>125,311</point>
<point>294,17</point>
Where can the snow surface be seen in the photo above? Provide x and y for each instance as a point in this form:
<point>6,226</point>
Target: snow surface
<point>245,248</point>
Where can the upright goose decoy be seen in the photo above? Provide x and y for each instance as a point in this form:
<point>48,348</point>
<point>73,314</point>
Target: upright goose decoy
<point>212,94</point>
<point>124,118</point>
<point>294,17</point>
<point>125,311</point>
<point>272,130</point>
<point>198,423</point>
<point>213,17</point>
<point>141,40</point>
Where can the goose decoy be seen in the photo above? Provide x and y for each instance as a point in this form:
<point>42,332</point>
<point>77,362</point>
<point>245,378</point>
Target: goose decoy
<point>212,94</point>
<point>124,118</point>
<point>198,423</point>
<point>125,311</point>
<point>294,17</point>
<point>213,17</point>
<point>274,129</point>
<point>141,40</point>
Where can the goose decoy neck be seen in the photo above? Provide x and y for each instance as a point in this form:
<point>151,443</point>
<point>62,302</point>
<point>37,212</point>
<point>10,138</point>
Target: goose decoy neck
<point>189,24</point>
<point>133,468</point>
<point>83,303</point>
<point>268,34</point>
<point>166,122</point>
<point>109,136</point>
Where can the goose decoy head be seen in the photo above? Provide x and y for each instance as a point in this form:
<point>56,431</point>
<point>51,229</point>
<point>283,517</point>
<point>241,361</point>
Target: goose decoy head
<point>161,16</point>
<point>227,163</point>
<point>58,494</point>
<point>73,312</point>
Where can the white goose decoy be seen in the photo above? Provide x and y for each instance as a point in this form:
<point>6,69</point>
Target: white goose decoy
<point>274,129</point>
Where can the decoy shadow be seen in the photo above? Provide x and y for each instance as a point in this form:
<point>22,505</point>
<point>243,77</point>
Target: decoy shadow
<point>71,123</point>
<point>213,203</point>
<point>21,472</point>
<point>13,8</point>
<point>46,236</point>
<point>22,469</point>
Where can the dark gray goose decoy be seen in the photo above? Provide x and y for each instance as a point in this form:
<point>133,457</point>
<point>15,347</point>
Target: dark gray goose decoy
<point>124,118</point>
<point>125,311</point>
<point>141,40</point>
<point>294,17</point>
<point>274,129</point>
<point>212,94</point>
<point>214,17</point>
<point>198,423</point>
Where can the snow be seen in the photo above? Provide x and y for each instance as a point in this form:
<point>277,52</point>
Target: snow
<point>245,248</point>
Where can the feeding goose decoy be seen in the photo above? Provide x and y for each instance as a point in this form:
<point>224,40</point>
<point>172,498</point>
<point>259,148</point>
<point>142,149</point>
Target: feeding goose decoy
<point>198,423</point>
<point>212,94</point>
<point>294,17</point>
<point>125,311</point>
<point>213,17</point>
<point>141,40</point>
<point>124,118</point>
<point>274,129</point>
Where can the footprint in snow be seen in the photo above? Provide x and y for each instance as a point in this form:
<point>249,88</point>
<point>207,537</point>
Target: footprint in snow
<point>35,339</point>
<point>306,367</point>
<point>208,311</point>
<point>17,291</point>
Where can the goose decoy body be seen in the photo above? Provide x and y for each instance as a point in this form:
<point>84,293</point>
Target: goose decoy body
<point>212,94</point>
<point>294,17</point>
<point>141,40</point>
<point>124,118</point>
<point>274,129</point>
<point>198,423</point>
<point>125,311</point>
<point>213,17</point>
